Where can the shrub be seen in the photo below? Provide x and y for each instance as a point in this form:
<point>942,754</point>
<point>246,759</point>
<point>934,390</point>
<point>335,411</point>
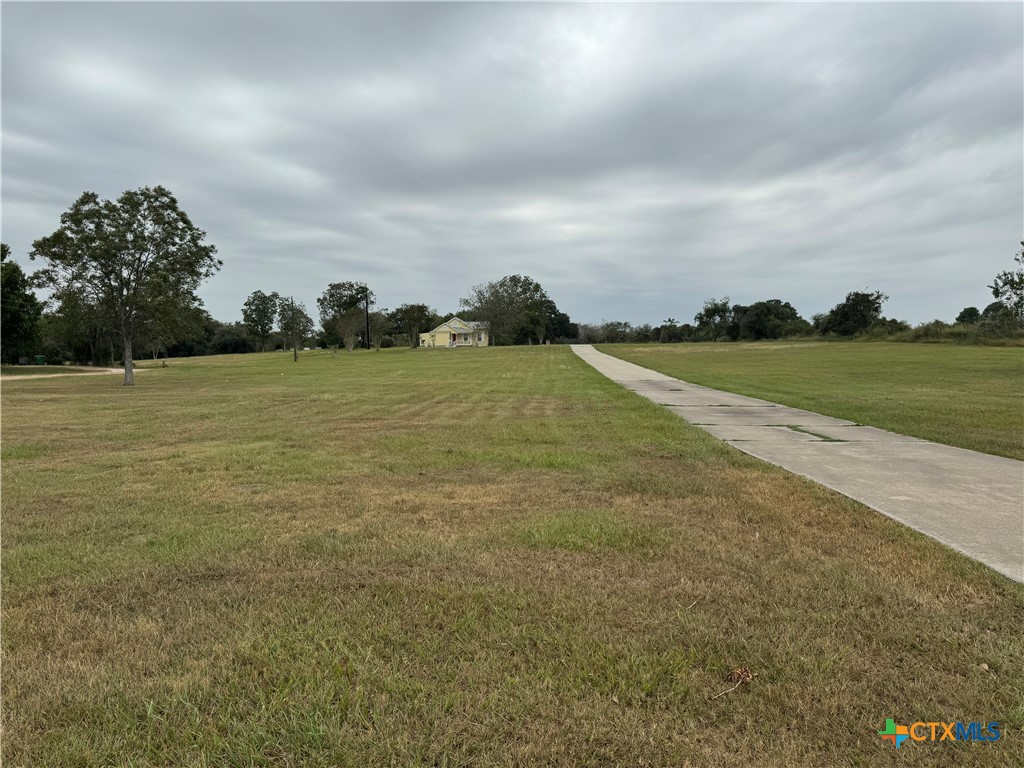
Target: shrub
<point>1000,329</point>
<point>884,327</point>
<point>1000,325</point>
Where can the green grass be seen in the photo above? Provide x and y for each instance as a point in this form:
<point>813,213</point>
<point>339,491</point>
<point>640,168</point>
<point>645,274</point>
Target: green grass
<point>590,531</point>
<point>486,557</point>
<point>967,396</point>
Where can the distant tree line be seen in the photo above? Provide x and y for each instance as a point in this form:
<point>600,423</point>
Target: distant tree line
<point>514,309</point>
<point>123,276</point>
<point>859,315</point>
<point>720,320</point>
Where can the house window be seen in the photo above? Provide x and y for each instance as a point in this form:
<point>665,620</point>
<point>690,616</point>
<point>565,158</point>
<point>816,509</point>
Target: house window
<point>479,337</point>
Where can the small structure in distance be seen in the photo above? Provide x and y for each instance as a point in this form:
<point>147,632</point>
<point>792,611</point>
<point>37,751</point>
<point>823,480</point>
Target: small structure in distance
<point>455,332</point>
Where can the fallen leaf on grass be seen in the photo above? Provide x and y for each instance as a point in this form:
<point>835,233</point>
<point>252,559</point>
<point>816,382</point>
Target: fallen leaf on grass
<point>740,676</point>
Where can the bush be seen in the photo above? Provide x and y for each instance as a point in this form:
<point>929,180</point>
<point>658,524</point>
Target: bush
<point>797,328</point>
<point>885,327</point>
<point>933,331</point>
<point>1001,325</point>
<point>991,330</point>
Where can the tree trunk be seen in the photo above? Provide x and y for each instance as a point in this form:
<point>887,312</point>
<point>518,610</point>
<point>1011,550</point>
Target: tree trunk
<point>129,369</point>
<point>367,297</point>
<point>295,353</point>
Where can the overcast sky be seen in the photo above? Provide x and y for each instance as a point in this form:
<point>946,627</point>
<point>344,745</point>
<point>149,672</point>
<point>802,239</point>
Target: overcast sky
<point>634,159</point>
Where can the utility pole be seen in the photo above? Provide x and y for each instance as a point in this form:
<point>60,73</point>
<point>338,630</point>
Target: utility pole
<point>295,343</point>
<point>366,339</point>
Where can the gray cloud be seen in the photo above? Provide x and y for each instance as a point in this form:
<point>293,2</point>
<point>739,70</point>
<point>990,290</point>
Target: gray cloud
<point>634,159</point>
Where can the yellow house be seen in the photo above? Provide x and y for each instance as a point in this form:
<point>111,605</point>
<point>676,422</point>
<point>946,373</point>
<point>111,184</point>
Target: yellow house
<point>454,332</point>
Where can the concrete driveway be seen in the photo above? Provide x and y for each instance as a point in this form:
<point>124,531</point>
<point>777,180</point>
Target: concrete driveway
<point>18,377</point>
<point>970,501</point>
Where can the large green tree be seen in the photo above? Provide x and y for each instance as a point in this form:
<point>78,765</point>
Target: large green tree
<point>170,321</point>
<point>380,326</point>
<point>348,325</point>
<point>853,315</point>
<point>771,319</point>
<point>968,316</point>
<point>546,321</point>
<point>336,305</point>
<point>713,319</point>
<point>258,314</point>
<point>294,323</point>
<point>1008,286</point>
<point>77,329</point>
<point>516,309</point>
<point>413,319</point>
<point>20,310</point>
<point>137,259</point>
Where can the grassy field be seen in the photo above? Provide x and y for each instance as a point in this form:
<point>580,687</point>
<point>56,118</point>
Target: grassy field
<point>454,558</point>
<point>968,396</point>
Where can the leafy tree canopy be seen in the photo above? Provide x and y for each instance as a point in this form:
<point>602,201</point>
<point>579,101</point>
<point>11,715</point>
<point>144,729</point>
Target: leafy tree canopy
<point>713,319</point>
<point>771,319</point>
<point>995,309</point>
<point>968,316</point>
<point>20,310</point>
<point>1008,286</point>
<point>516,309</point>
<point>855,314</point>
<point>294,323</point>
<point>341,297</point>
<point>258,314</point>
<point>338,305</point>
<point>135,259</point>
<point>412,320</point>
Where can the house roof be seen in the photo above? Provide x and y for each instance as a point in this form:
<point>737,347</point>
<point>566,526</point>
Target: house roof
<point>459,325</point>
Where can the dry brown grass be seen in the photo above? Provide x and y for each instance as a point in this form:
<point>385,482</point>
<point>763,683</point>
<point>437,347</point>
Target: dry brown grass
<point>483,557</point>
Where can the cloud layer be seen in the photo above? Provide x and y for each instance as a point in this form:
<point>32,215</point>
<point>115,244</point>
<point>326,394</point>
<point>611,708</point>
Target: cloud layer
<point>635,159</point>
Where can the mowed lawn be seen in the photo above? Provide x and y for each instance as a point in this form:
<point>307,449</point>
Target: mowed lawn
<point>460,557</point>
<point>967,396</point>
